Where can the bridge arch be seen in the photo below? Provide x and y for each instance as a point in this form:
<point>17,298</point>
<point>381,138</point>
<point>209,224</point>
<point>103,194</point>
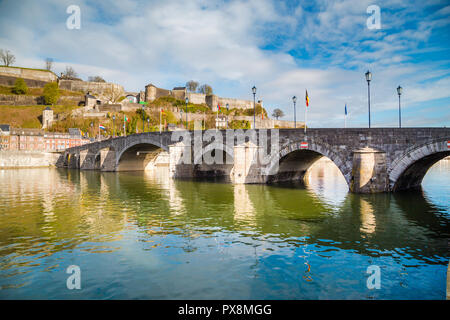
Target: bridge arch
<point>138,154</point>
<point>221,170</point>
<point>408,170</point>
<point>295,160</point>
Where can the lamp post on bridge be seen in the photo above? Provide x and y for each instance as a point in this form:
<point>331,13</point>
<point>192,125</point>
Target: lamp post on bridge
<point>114,125</point>
<point>294,100</point>
<point>254,107</point>
<point>399,91</point>
<point>92,126</point>
<point>228,109</point>
<point>148,124</point>
<point>368,78</point>
<point>143,118</point>
<point>187,101</point>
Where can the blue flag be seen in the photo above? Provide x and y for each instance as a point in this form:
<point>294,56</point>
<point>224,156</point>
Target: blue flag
<point>345,109</point>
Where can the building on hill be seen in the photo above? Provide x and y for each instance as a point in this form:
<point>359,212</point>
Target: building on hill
<point>47,118</point>
<point>90,100</point>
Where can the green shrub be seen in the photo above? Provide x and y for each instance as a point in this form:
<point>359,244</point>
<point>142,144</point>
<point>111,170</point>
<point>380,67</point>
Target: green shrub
<point>240,124</point>
<point>51,93</point>
<point>20,87</point>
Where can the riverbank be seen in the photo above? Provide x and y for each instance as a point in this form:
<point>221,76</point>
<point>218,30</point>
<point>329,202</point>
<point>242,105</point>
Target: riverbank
<point>27,159</point>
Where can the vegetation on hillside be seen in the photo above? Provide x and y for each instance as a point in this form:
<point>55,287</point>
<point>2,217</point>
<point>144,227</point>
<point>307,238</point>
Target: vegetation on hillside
<point>28,116</point>
<point>38,92</point>
<point>20,87</point>
<point>51,93</point>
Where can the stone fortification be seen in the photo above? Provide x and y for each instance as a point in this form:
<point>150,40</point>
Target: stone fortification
<point>31,74</point>
<point>104,90</point>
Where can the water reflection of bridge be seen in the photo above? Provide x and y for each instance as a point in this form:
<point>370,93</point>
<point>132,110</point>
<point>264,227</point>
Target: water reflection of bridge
<point>99,206</point>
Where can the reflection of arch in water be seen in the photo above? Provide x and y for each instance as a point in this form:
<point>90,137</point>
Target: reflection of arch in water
<point>408,170</point>
<point>137,156</point>
<point>294,162</point>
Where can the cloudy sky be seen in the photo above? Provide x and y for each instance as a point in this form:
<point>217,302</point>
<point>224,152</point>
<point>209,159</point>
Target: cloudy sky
<point>282,48</point>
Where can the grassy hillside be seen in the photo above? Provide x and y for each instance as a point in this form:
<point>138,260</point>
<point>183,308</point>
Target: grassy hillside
<point>39,92</point>
<point>27,116</point>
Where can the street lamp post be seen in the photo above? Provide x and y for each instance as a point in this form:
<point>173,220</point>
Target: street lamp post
<point>92,126</point>
<point>187,101</point>
<point>148,124</point>
<point>294,99</point>
<point>228,108</point>
<point>368,78</point>
<point>143,119</point>
<point>399,91</point>
<point>254,107</point>
<point>114,126</point>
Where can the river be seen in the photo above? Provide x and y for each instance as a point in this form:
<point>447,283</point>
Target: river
<point>141,235</point>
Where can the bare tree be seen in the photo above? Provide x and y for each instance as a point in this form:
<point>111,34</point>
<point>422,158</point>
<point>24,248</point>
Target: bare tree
<point>192,85</point>
<point>112,94</point>
<point>205,89</point>
<point>277,113</point>
<point>48,64</point>
<point>96,79</point>
<point>69,73</point>
<point>7,57</point>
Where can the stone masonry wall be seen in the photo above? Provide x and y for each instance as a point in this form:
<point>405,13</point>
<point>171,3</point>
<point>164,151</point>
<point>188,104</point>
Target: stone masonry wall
<point>40,75</point>
<point>27,159</point>
<point>100,89</point>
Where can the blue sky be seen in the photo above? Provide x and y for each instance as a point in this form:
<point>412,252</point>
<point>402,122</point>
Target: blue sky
<point>281,47</point>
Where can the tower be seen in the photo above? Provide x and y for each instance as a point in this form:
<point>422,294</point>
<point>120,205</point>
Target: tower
<point>47,118</point>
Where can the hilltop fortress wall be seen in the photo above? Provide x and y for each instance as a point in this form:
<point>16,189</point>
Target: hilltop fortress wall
<point>33,78</point>
<point>101,89</point>
<point>152,93</point>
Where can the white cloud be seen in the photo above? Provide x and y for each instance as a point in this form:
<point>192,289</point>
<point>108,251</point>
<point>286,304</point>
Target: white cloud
<point>169,42</point>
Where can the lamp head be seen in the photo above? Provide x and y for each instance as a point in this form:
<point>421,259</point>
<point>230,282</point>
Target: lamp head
<point>399,90</point>
<point>294,99</point>
<point>187,100</point>
<point>254,90</point>
<point>368,76</point>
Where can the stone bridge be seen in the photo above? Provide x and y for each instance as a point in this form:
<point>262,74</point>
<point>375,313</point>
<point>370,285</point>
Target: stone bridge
<point>371,160</point>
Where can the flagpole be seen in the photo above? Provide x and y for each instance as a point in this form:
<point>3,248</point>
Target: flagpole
<point>306,108</point>
<point>345,121</point>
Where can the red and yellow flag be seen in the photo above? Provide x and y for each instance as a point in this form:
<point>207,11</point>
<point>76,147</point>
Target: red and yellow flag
<point>307,98</point>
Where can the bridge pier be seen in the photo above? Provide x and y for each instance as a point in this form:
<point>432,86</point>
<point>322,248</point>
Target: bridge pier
<point>107,159</point>
<point>369,171</point>
<point>180,165</point>
<point>246,167</point>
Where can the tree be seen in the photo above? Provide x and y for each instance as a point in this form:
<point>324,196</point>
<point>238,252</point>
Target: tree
<point>112,93</point>
<point>48,64</point>
<point>7,57</point>
<point>96,79</point>
<point>51,93</point>
<point>205,89</point>
<point>20,87</point>
<point>192,85</point>
<point>69,74</point>
<point>277,113</point>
